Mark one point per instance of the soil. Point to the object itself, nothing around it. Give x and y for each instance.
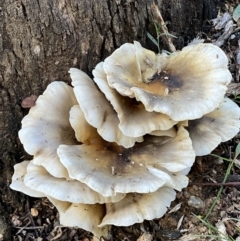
(37, 219)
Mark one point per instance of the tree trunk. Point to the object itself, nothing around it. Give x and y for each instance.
(41, 39)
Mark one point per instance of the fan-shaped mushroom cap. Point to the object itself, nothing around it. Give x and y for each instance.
(134, 120)
(135, 208)
(47, 126)
(97, 109)
(110, 169)
(84, 216)
(18, 184)
(220, 125)
(196, 76)
(37, 178)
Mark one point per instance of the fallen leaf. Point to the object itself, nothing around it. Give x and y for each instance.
(29, 101)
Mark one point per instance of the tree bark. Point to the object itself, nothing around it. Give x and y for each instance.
(41, 39)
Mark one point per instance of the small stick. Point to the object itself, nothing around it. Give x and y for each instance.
(37, 227)
(157, 15)
(21, 229)
(30, 216)
(216, 184)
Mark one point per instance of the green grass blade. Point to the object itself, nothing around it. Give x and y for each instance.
(152, 39)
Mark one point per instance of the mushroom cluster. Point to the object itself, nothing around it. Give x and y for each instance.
(113, 150)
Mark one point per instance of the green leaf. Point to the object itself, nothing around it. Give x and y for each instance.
(225, 159)
(168, 34)
(166, 52)
(236, 13)
(237, 150)
(152, 39)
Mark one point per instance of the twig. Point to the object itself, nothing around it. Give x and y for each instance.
(29, 228)
(221, 188)
(30, 217)
(158, 17)
(59, 233)
(216, 184)
(21, 229)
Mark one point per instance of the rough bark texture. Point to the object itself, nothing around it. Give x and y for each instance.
(188, 18)
(41, 39)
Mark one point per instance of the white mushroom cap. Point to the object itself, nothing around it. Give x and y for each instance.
(47, 126)
(110, 169)
(135, 208)
(18, 184)
(37, 178)
(97, 110)
(218, 126)
(84, 216)
(134, 120)
(188, 85)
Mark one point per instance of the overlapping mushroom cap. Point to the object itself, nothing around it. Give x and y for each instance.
(98, 111)
(185, 85)
(218, 126)
(109, 169)
(113, 150)
(47, 126)
(134, 119)
(96, 171)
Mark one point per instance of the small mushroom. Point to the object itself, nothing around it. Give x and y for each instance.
(109, 169)
(85, 216)
(135, 121)
(98, 111)
(196, 76)
(47, 126)
(218, 126)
